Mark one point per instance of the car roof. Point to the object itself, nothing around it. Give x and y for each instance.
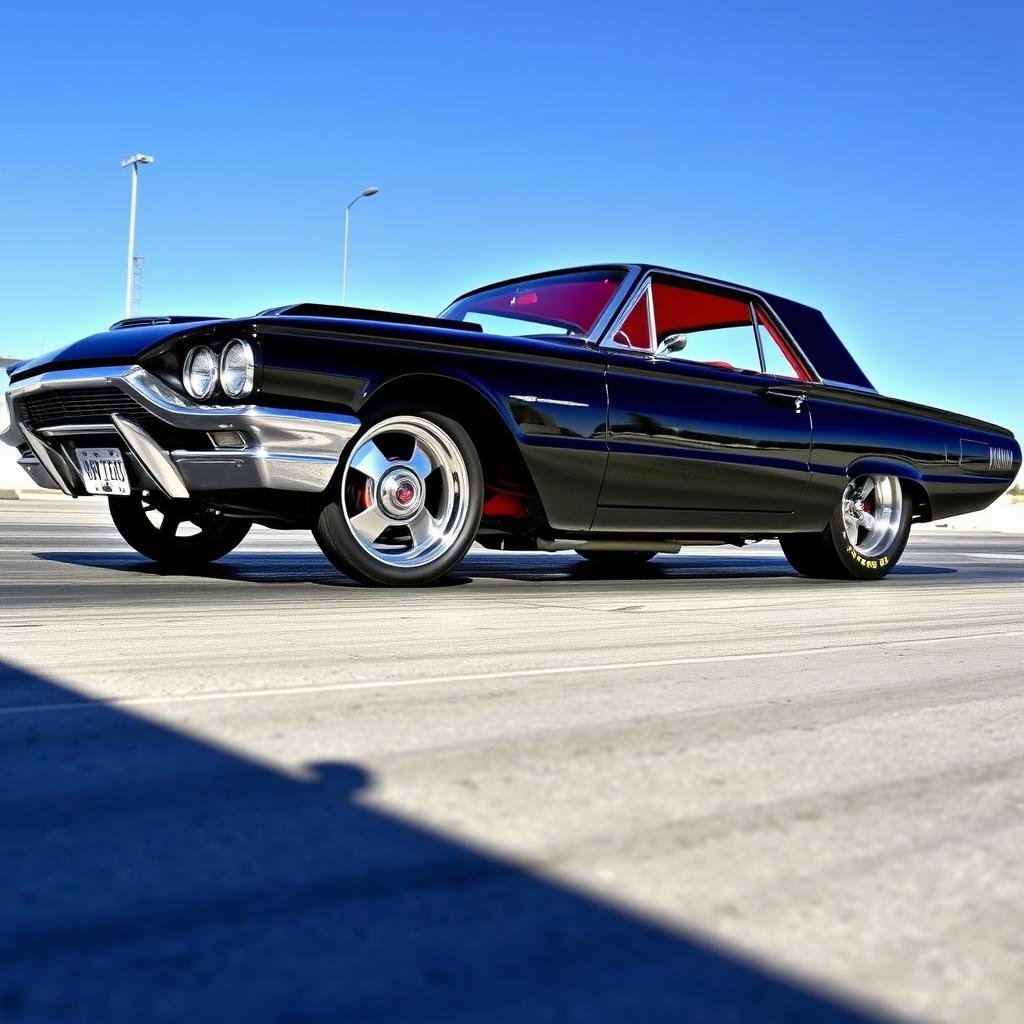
(810, 330)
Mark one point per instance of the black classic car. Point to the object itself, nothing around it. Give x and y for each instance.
(618, 411)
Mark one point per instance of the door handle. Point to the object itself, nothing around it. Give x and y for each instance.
(791, 395)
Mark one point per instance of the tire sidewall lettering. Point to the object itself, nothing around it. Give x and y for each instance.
(865, 563)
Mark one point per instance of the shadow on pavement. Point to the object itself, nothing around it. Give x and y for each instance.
(148, 875)
(275, 567)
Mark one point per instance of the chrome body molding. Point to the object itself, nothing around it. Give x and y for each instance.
(293, 450)
(534, 400)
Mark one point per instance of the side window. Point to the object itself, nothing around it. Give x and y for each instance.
(635, 330)
(779, 359)
(704, 327)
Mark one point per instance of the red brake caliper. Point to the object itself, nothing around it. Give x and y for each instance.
(366, 494)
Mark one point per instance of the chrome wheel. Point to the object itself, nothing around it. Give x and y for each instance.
(872, 509)
(404, 492)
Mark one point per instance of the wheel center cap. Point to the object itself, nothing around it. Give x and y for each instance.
(400, 493)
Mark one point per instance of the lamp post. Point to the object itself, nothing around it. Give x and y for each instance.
(132, 162)
(371, 191)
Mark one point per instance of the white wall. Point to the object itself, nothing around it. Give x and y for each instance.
(12, 476)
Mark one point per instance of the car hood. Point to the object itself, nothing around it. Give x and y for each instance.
(125, 344)
(108, 348)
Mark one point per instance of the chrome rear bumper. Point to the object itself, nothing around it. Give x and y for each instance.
(291, 450)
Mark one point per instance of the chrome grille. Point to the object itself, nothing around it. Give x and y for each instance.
(68, 406)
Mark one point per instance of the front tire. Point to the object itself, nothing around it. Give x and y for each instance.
(864, 538)
(175, 533)
(406, 505)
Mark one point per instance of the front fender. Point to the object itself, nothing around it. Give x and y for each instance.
(554, 413)
(425, 382)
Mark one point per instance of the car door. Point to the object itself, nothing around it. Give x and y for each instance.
(701, 437)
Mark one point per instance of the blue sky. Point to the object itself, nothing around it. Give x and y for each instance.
(866, 159)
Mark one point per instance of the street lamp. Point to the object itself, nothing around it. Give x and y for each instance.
(132, 162)
(371, 191)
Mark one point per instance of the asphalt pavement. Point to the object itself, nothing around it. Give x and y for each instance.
(712, 790)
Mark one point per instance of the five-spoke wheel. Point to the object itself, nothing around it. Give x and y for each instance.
(872, 510)
(865, 536)
(407, 505)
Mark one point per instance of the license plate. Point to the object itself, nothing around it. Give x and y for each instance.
(103, 470)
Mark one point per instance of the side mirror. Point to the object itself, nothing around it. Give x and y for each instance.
(671, 343)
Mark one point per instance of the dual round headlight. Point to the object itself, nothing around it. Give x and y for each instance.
(235, 371)
(237, 368)
(200, 374)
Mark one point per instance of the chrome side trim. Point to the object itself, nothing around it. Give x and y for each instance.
(534, 400)
(155, 460)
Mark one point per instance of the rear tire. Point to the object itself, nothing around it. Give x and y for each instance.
(406, 505)
(864, 538)
(173, 532)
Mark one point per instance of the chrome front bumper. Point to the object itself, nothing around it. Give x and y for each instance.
(290, 450)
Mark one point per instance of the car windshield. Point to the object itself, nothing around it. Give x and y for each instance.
(565, 305)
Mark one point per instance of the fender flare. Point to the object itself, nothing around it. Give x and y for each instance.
(903, 470)
(884, 465)
(465, 380)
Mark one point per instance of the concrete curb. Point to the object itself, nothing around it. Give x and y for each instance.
(15, 493)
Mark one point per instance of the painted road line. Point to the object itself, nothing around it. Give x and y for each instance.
(987, 554)
(525, 673)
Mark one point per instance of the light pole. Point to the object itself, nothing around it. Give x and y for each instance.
(371, 191)
(132, 162)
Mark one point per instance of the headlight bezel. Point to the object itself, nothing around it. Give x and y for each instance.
(248, 382)
(200, 395)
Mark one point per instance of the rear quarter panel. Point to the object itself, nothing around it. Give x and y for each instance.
(948, 454)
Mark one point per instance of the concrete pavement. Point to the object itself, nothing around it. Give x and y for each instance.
(711, 791)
